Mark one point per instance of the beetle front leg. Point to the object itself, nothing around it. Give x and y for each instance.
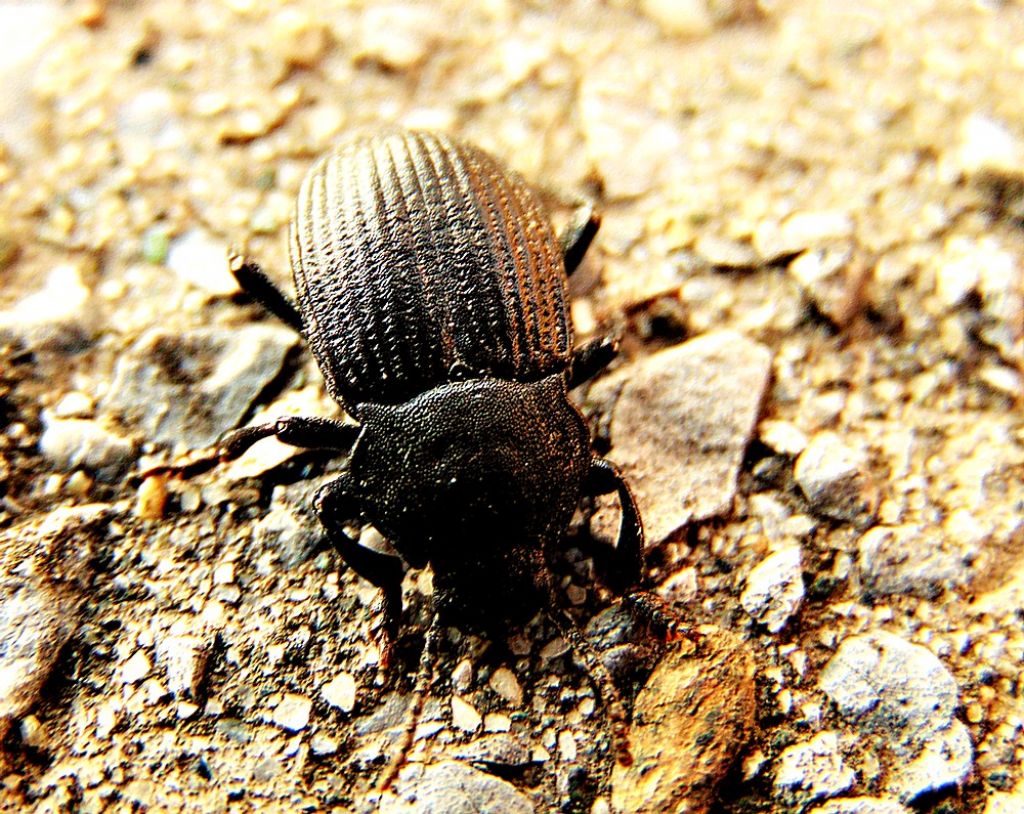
(308, 432)
(336, 505)
(628, 564)
(590, 359)
(578, 235)
(261, 288)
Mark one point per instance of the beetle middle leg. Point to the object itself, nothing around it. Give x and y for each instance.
(578, 235)
(336, 505)
(261, 288)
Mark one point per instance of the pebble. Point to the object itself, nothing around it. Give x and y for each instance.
(201, 259)
(462, 676)
(833, 477)
(886, 684)
(73, 405)
(504, 682)
(497, 749)
(340, 692)
(452, 788)
(912, 559)
(812, 769)
(782, 437)
(189, 387)
(323, 745)
(70, 443)
(136, 668)
(464, 715)
(702, 700)
(901, 691)
(398, 36)
(775, 589)
(183, 657)
(861, 805)
(986, 143)
(292, 712)
(680, 425)
(46, 563)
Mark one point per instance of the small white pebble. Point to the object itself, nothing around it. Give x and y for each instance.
(340, 692)
(566, 746)
(292, 713)
(464, 715)
(136, 668)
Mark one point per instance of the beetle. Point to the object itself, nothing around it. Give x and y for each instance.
(432, 292)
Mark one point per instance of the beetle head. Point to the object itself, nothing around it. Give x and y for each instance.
(472, 475)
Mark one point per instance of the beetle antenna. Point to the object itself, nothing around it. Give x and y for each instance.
(615, 710)
(424, 674)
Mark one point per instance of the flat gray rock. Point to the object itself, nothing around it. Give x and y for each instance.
(680, 424)
(889, 686)
(44, 567)
(453, 788)
(193, 386)
(904, 694)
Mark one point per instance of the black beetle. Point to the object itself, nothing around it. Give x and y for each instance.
(432, 291)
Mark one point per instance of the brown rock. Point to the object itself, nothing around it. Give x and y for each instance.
(690, 723)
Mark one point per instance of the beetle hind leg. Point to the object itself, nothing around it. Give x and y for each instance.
(261, 288)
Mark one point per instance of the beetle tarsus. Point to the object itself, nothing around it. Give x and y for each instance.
(578, 235)
(618, 720)
(261, 288)
(424, 674)
(604, 478)
(590, 359)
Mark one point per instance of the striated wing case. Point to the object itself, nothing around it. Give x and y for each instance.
(418, 259)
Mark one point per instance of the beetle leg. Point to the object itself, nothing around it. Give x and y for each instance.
(309, 432)
(578, 234)
(336, 505)
(604, 478)
(590, 359)
(261, 288)
(424, 674)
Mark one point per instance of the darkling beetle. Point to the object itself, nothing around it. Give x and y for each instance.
(432, 292)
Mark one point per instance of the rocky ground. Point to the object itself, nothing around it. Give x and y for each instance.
(813, 248)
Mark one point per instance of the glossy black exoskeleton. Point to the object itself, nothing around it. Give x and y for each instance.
(432, 292)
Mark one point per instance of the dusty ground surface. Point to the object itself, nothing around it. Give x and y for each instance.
(841, 189)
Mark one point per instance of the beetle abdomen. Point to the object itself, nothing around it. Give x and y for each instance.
(416, 256)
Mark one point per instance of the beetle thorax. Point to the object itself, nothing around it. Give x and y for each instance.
(497, 462)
